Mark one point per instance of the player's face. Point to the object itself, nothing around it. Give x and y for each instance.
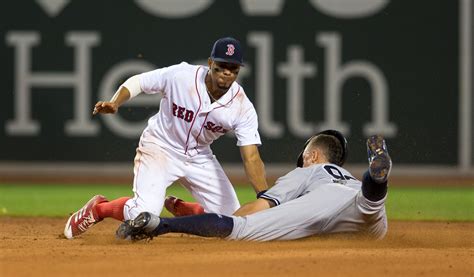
(223, 75)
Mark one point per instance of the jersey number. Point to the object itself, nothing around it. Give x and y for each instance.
(336, 173)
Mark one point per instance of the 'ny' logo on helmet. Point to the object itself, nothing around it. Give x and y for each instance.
(230, 50)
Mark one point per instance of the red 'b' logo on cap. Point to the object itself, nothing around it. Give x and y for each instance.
(230, 50)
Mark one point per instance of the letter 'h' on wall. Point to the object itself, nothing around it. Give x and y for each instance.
(25, 79)
(337, 74)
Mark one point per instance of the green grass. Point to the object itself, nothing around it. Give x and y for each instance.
(455, 204)
(411, 203)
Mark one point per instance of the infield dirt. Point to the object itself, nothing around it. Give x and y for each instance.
(35, 247)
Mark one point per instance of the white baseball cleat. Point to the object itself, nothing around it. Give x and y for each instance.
(83, 219)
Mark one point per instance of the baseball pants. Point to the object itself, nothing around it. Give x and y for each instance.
(156, 168)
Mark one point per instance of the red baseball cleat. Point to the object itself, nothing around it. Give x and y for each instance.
(178, 207)
(83, 219)
(170, 204)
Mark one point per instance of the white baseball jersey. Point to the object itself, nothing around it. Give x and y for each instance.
(176, 143)
(319, 199)
(187, 121)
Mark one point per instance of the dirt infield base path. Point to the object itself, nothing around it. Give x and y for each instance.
(34, 247)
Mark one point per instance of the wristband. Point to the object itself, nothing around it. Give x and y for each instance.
(261, 193)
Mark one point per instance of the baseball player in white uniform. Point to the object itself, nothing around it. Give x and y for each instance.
(319, 198)
(199, 105)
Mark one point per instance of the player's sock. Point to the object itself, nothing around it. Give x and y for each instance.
(112, 208)
(183, 208)
(205, 225)
(372, 190)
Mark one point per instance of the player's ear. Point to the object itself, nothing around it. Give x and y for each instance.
(315, 155)
(209, 62)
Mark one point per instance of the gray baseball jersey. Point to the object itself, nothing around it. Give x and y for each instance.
(320, 199)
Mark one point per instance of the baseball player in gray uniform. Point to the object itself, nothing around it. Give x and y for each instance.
(318, 197)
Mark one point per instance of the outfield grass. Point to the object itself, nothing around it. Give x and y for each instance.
(455, 204)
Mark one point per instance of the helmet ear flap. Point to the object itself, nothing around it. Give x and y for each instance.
(299, 162)
(338, 135)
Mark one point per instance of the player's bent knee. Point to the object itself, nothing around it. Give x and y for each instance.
(133, 208)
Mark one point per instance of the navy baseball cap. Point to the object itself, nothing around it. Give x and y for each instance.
(227, 50)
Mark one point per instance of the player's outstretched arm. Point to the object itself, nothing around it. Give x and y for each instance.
(254, 168)
(254, 206)
(129, 89)
(120, 97)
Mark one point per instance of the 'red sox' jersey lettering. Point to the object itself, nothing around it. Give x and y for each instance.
(211, 126)
(183, 113)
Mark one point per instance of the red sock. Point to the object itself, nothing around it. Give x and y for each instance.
(188, 208)
(112, 208)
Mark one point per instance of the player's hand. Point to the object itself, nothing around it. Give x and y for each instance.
(105, 107)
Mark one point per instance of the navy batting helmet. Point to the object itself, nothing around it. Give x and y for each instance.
(334, 133)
